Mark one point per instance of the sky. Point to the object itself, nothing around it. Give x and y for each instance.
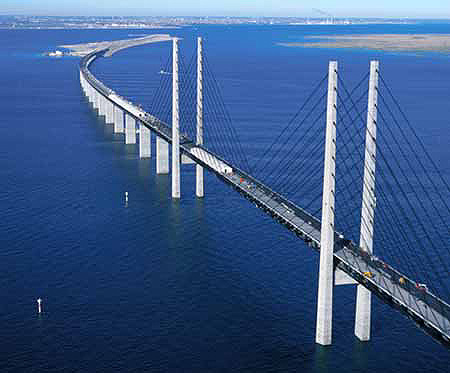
(338, 8)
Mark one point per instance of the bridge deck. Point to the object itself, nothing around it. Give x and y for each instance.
(366, 269)
(430, 312)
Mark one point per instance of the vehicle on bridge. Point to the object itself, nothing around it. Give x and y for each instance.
(421, 287)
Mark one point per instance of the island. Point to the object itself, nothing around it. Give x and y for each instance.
(382, 42)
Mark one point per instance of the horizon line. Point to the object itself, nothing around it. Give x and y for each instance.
(225, 16)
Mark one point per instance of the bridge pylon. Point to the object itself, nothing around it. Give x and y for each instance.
(175, 124)
(199, 190)
(363, 296)
(326, 272)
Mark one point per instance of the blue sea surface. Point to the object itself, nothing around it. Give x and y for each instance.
(197, 285)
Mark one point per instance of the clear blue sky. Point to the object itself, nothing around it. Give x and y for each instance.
(341, 8)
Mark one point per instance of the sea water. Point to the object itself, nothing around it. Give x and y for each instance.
(197, 285)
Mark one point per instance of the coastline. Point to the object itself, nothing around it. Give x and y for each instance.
(384, 42)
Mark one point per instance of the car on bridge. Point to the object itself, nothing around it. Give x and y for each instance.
(421, 287)
(369, 274)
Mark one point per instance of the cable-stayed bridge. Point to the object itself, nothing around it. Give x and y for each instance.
(347, 174)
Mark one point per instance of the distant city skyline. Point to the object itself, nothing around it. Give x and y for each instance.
(274, 8)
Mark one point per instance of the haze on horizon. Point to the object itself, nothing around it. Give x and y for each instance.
(438, 9)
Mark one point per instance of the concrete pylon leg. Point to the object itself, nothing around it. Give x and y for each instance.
(199, 190)
(118, 120)
(363, 313)
(363, 296)
(199, 186)
(130, 130)
(176, 193)
(326, 272)
(162, 156)
(144, 142)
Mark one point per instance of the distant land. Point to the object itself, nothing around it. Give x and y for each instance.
(118, 22)
(385, 42)
(114, 46)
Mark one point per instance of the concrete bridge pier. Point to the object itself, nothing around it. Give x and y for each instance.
(162, 156)
(199, 190)
(95, 102)
(102, 105)
(106, 101)
(145, 149)
(91, 94)
(130, 129)
(109, 112)
(118, 120)
(95, 99)
(83, 83)
(175, 124)
(87, 91)
(326, 272)
(363, 296)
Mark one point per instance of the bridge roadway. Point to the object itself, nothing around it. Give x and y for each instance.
(428, 311)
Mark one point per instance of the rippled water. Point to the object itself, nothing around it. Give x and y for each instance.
(196, 285)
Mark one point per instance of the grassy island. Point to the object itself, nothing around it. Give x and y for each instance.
(384, 42)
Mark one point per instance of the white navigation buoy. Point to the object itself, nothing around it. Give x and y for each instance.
(126, 196)
(39, 301)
